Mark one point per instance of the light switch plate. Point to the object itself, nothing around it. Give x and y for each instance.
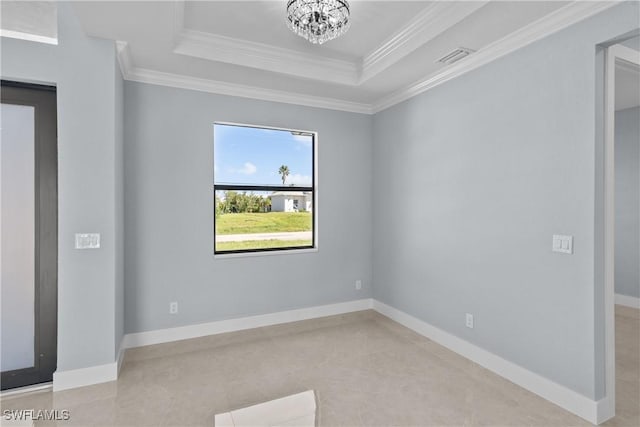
(87, 240)
(562, 244)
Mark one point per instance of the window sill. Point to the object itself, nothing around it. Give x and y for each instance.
(265, 253)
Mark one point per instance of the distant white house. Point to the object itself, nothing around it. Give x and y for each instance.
(291, 202)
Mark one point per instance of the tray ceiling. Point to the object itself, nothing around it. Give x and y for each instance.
(391, 51)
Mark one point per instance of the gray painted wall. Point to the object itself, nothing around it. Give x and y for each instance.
(493, 163)
(83, 70)
(169, 212)
(627, 157)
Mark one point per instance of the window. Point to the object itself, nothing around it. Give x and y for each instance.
(264, 188)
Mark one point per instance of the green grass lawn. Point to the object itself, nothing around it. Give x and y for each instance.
(260, 244)
(270, 222)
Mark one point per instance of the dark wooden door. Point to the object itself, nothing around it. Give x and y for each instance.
(39, 104)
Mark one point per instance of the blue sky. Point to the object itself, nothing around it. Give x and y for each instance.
(244, 155)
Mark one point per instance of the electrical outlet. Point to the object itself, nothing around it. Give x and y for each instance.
(358, 284)
(173, 307)
(469, 320)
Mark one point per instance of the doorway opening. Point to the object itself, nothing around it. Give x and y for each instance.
(622, 230)
(28, 234)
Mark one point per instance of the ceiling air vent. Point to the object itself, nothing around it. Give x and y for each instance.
(456, 55)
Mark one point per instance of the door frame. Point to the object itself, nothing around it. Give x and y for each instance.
(613, 55)
(44, 100)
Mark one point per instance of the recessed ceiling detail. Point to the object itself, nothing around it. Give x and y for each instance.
(265, 57)
(431, 22)
(233, 48)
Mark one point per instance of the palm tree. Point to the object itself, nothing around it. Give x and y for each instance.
(284, 172)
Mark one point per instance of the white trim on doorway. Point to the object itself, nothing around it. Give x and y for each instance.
(614, 54)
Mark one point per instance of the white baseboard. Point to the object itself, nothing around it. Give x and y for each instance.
(560, 395)
(194, 331)
(120, 358)
(592, 411)
(64, 380)
(628, 301)
(606, 409)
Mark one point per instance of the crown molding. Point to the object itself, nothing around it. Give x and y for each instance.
(28, 37)
(124, 58)
(549, 24)
(627, 66)
(233, 89)
(545, 26)
(626, 58)
(142, 75)
(427, 25)
(265, 57)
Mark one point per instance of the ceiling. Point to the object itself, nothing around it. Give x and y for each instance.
(34, 20)
(389, 54)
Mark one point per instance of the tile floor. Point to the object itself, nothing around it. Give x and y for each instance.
(627, 368)
(366, 370)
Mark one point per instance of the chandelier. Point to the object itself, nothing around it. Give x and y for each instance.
(318, 20)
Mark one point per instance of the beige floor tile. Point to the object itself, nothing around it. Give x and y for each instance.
(365, 369)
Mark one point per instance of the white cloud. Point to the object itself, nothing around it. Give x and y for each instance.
(297, 179)
(248, 169)
(303, 139)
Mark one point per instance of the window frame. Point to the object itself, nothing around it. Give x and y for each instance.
(238, 187)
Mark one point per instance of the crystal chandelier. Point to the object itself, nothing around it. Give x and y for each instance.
(318, 20)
